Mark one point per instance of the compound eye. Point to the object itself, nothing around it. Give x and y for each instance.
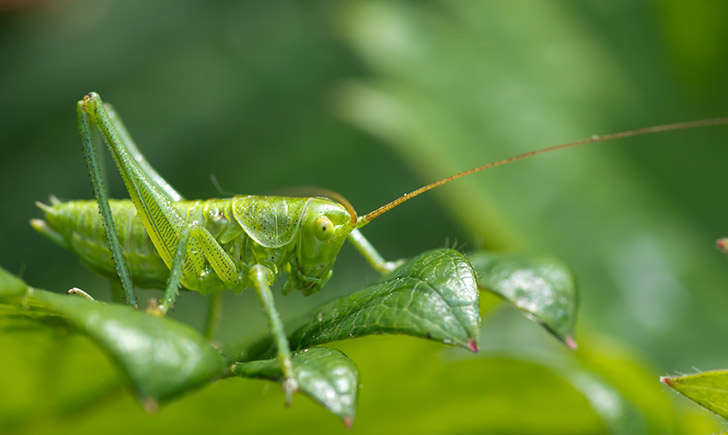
(323, 228)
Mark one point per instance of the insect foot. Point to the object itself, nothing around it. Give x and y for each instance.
(154, 308)
(78, 291)
(90, 96)
(290, 387)
(391, 265)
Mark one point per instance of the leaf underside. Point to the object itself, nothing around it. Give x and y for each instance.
(708, 389)
(326, 375)
(542, 288)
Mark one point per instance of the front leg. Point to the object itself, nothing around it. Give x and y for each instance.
(371, 255)
(262, 278)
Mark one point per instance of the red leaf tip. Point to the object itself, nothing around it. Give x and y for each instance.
(348, 422)
(570, 342)
(472, 345)
(666, 380)
(722, 244)
(151, 406)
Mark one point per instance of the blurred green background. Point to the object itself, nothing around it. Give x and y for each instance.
(372, 99)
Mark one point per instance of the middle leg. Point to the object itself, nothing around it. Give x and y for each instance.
(262, 278)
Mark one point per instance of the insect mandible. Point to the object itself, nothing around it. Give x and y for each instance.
(217, 244)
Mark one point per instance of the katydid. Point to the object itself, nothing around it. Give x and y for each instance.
(162, 240)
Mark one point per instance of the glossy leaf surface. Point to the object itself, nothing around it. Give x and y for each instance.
(433, 295)
(542, 288)
(161, 358)
(326, 375)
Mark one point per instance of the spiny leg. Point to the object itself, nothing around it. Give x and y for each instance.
(153, 198)
(96, 173)
(162, 221)
(371, 255)
(175, 274)
(262, 278)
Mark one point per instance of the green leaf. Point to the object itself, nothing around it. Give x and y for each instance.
(433, 296)
(542, 288)
(161, 358)
(707, 389)
(326, 375)
(10, 286)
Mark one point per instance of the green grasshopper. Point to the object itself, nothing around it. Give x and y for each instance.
(212, 245)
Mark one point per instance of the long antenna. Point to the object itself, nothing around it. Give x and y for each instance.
(364, 220)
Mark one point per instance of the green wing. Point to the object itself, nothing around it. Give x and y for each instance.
(272, 221)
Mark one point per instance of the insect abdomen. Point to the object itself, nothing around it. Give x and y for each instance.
(77, 226)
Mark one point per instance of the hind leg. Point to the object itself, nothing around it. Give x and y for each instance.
(96, 173)
(152, 196)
